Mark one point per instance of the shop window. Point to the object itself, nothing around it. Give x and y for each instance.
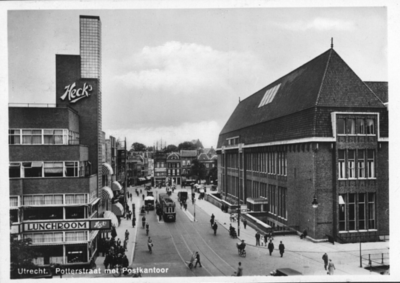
(32, 169)
(351, 164)
(49, 254)
(352, 212)
(350, 127)
(341, 126)
(370, 127)
(32, 136)
(361, 212)
(75, 236)
(360, 126)
(361, 163)
(43, 213)
(15, 170)
(371, 163)
(371, 211)
(14, 136)
(75, 199)
(341, 164)
(53, 169)
(76, 253)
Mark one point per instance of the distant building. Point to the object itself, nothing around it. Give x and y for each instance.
(316, 135)
(186, 159)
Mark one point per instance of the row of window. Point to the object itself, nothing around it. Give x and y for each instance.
(353, 164)
(57, 237)
(173, 172)
(233, 141)
(357, 212)
(42, 136)
(359, 126)
(40, 169)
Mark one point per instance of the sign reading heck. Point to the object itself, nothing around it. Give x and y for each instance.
(73, 95)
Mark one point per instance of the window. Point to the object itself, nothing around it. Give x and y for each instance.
(371, 211)
(341, 165)
(15, 170)
(360, 126)
(352, 212)
(342, 215)
(14, 136)
(371, 163)
(32, 136)
(361, 164)
(340, 126)
(71, 169)
(13, 201)
(370, 126)
(53, 136)
(351, 164)
(269, 95)
(32, 169)
(361, 212)
(350, 127)
(53, 169)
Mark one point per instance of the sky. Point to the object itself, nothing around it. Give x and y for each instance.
(178, 74)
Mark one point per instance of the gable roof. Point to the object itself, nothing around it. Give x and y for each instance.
(203, 156)
(324, 81)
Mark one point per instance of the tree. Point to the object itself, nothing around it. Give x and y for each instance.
(171, 148)
(22, 255)
(187, 145)
(198, 169)
(136, 146)
(150, 148)
(213, 174)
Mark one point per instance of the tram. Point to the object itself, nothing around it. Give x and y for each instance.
(167, 207)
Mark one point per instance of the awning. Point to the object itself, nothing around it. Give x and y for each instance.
(114, 220)
(257, 200)
(95, 201)
(118, 209)
(107, 193)
(107, 169)
(116, 186)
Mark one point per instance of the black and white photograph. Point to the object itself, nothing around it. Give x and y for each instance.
(196, 140)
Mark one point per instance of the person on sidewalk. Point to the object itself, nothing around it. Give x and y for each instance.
(215, 227)
(143, 197)
(133, 222)
(147, 228)
(281, 248)
(244, 223)
(331, 268)
(239, 271)
(127, 234)
(270, 247)
(185, 206)
(197, 260)
(325, 259)
(265, 239)
(258, 238)
(143, 221)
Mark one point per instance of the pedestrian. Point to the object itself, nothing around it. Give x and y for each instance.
(147, 228)
(140, 191)
(125, 244)
(281, 248)
(126, 234)
(244, 223)
(215, 227)
(143, 221)
(325, 259)
(197, 260)
(239, 271)
(143, 197)
(125, 261)
(331, 268)
(185, 205)
(212, 222)
(112, 242)
(130, 196)
(270, 247)
(118, 242)
(258, 238)
(133, 222)
(265, 239)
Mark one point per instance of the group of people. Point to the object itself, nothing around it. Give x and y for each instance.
(195, 257)
(114, 251)
(269, 235)
(328, 264)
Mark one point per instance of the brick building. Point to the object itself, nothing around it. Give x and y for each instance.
(316, 135)
(59, 180)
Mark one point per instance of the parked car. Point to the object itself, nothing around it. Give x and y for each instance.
(285, 272)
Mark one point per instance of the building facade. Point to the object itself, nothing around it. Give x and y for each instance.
(173, 169)
(59, 179)
(318, 135)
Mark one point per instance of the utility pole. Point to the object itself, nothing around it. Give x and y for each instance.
(240, 150)
(126, 177)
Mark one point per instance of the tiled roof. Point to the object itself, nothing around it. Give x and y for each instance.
(380, 89)
(324, 81)
(203, 156)
(188, 153)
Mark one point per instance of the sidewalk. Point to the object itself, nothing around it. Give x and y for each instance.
(346, 257)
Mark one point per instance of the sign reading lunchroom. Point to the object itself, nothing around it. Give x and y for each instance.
(91, 224)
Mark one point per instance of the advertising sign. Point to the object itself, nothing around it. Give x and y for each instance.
(90, 224)
(72, 94)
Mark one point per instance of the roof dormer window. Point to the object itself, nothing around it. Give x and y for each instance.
(269, 95)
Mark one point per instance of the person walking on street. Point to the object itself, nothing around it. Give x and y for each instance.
(143, 197)
(257, 239)
(265, 239)
(127, 234)
(239, 271)
(212, 219)
(281, 248)
(244, 223)
(147, 228)
(215, 227)
(197, 260)
(325, 259)
(331, 268)
(143, 221)
(185, 206)
(270, 247)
